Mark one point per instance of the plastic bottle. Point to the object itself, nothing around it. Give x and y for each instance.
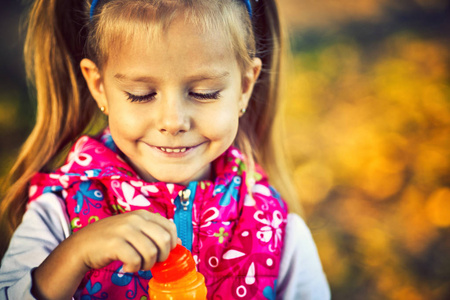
(177, 278)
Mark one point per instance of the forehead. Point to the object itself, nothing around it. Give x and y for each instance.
(134, 24)
(183, 46)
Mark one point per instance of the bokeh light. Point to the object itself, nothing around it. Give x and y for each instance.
(368, 121)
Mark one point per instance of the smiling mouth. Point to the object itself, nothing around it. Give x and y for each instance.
(173, 150)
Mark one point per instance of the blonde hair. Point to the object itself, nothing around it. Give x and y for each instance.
(60, 33)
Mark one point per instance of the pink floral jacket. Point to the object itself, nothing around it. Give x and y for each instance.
(236, 240)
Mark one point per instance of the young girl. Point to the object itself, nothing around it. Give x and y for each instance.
(189, 89)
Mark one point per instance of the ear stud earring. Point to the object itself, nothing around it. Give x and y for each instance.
(242, 111)
(102, 109)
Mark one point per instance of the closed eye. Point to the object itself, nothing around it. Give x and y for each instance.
(205, 96)
(143, 98)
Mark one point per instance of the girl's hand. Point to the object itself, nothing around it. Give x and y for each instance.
(138, 239)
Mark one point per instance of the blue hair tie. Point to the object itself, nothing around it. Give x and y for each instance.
(94, 4)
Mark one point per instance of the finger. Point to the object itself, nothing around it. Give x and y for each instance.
(171, 228)
(130, 258)
(160, 237)
(168, 225)
(146, 248)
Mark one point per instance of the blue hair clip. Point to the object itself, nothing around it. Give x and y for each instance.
(249, 7)
(94, 4)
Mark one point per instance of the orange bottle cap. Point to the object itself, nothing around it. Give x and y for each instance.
(179, 263)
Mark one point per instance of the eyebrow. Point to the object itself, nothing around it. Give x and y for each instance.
(123, 77)
(210, 76)
(194, 78)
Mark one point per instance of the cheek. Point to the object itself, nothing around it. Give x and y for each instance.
(222, 126)
(125, 126)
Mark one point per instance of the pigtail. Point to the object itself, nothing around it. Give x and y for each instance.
(267, 30)
(53, 49)
(261, 126)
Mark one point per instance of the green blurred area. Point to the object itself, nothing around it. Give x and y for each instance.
(368, 124)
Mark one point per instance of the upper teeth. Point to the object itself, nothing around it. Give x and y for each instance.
(170, 150)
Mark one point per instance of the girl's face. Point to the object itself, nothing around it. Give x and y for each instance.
(173, 104)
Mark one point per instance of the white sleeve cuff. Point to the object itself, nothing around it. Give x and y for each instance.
(301, 275)
(44, 226)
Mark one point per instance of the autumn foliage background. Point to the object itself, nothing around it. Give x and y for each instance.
(368, 125)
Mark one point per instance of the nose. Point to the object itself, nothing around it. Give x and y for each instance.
(173, 116)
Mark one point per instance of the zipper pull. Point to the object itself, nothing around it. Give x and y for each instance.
(184, 198)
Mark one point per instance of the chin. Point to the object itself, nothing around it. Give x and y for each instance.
(181, 174)
(183, 180)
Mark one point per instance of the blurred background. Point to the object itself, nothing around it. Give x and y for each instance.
(368, 124)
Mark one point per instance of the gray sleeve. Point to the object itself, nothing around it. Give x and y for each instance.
(44, 226)
(301, 275)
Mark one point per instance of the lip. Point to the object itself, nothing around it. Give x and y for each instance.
(178, 151)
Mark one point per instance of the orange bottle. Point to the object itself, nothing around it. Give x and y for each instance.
(176, 278)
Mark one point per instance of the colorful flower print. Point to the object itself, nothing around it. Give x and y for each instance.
(78, 155)
(128, 195)
(92, 290)
(201, 224)
(120, 278)
(221, 234)
(270, 231)
(240, 262)
(85, 195)
(270, 292)
(52, 189)
(232, 191)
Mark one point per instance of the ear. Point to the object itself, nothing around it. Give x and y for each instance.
(95, 83)
(248, 82)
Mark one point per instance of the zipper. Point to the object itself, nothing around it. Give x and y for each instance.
(183, 214)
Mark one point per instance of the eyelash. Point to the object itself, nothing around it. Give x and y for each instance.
(143, 98)
(207, 96)
(151, 96)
